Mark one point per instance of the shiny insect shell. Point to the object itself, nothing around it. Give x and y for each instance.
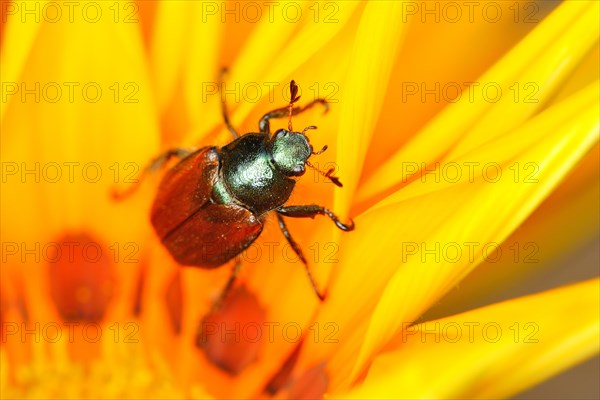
(213, 204)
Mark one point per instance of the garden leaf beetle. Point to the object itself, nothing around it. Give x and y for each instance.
(212, 205)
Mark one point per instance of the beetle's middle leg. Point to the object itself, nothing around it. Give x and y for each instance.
(300, 255)
(265, 126)
(310, 211)
(153, 166)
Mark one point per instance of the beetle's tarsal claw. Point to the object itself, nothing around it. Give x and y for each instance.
(321, 296)
(119, 194)
(347, 227)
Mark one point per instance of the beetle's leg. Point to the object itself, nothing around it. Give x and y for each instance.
(163, 158)
(229, 285)
(224, 106)
(153, 166)
(298, 251)
(310, 211)
(283, 112)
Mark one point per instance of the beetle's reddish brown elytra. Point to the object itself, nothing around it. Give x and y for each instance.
(213, 204)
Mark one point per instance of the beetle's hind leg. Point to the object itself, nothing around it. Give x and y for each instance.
(235, 271)
(224, 106)
(298, 251)
(310, 211)
(283, 112)
(153, 166)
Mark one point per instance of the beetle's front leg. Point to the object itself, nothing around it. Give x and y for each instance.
(310, 211)
(283, 112)
(153, 166)
(224, 112)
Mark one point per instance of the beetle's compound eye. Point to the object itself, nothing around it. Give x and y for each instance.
(299, 169)
(280, 133)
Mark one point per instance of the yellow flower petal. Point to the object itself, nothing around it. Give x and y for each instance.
(534, 250)
(543, 60)
(18, 38)
(90, 129)
(287, 46)
(503, 206)
(89, 120)
(586, 72)
(467, 213)
(492, 352)
(286, 42)
(375, 48)
(186, 81)
(169, 43)
(185, 53)
(199, 64)
(537, 82)
(426, 62)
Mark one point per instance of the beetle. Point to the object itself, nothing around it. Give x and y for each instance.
(213, 204)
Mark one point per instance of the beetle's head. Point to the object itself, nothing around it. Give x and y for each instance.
(290, 150)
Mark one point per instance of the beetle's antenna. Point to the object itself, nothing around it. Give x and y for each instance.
(304, 133)
(308, 128)
(293, 98)
(316, 153)
(329, 174)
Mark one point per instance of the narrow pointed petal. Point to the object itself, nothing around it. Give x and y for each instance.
(86, 140)
(288, 47)
(168, 48)
(375, 48)
(495, 351)
(537, 83)
(429, 74)
(542, 61)
(186, 70)
(418, 283)
(438, 214)
(78, 146)
(290, 42)
(535, 251)
(199, 70)
(17, 41)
